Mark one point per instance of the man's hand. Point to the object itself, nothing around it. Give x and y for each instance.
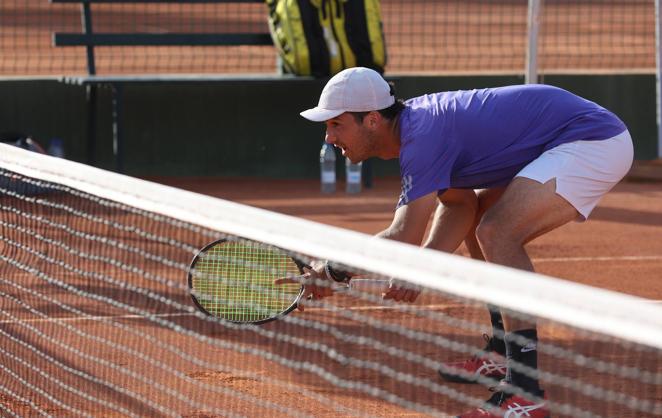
(316, 285)
(401, 291)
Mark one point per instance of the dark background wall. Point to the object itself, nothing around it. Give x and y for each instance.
(252, 128)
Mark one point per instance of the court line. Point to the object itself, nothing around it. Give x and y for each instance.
(95, 318)
(168, 315)
(617, 258)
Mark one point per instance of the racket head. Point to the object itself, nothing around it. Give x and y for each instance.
(234, 280)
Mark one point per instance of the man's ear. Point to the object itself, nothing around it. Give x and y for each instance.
(373, 119)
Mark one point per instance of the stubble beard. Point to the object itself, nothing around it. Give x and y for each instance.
(369, 145)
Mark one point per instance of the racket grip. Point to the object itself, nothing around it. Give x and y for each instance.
(366, 285)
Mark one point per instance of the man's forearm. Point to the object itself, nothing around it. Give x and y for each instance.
(450, 227)
(410, 221)
(394, 234)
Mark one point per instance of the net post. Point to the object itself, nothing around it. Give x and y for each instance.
(533, 27)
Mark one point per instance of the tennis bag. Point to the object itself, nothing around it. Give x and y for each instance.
(323, 37)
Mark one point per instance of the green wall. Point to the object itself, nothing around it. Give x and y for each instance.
(252, 128)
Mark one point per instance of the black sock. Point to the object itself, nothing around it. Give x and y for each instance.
(497, 344)
(524, 353)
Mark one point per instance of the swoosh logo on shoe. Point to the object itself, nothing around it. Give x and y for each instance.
(529, 347)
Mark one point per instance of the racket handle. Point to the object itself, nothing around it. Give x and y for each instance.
(365, 285)
(357, 283)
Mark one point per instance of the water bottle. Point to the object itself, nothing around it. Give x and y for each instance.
(328, 168)
(353, 172)
(56, 148)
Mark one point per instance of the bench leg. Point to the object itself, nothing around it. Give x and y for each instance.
(118, 145)
(91, 99)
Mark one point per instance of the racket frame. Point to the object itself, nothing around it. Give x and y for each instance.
(300, 265)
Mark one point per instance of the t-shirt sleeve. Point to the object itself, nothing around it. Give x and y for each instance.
(425, 169)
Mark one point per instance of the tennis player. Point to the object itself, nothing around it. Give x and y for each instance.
(496, 167)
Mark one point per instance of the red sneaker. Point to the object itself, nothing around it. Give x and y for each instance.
(487, 364)
(503, 405)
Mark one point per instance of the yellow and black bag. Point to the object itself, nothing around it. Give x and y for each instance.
(323, 37)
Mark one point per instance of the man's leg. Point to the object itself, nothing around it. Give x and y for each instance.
(585, 171)
(485, 364)
(486, 199)
(526, 210)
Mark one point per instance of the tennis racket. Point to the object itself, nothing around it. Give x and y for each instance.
(235, 281)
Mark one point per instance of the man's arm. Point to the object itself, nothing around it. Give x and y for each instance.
(409, 225)
(411, 220)
(453, 220)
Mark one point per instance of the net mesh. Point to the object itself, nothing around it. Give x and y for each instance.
(422, 36)
(96, 316)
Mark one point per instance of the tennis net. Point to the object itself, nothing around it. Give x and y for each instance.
(96, 316)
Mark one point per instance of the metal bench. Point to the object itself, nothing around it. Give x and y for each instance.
(91, 39)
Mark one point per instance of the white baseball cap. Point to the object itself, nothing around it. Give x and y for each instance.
(355, 89)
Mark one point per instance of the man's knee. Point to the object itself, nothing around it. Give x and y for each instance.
(485, 232)
(491, 235)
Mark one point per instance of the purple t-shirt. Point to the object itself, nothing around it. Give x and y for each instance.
(483, 138)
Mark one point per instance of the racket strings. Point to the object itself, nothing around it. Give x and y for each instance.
(235, 281)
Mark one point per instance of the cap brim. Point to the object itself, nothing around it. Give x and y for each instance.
(318, 114)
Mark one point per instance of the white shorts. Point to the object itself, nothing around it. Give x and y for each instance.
(584, 170)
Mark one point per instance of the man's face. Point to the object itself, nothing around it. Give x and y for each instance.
(356, 140)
